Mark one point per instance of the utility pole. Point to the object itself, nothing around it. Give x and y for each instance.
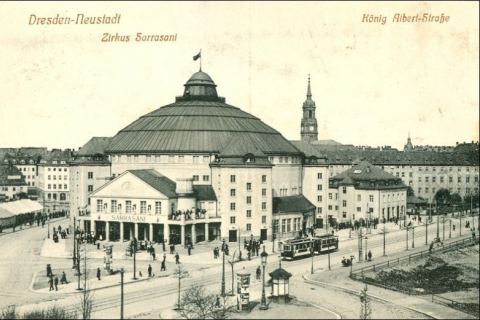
(406, 229)
(121, 294)
(426, 232)
(311, 253)
(413, 237)
(366, 249)
(384, 233)
(360, 243)
(450, 228)
(443, 226)
(74, 245)
(223, 270)
(438, 227)
(460, 227)
(134, 249)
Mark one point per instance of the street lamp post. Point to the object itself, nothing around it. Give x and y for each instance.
(74, 244)
(460, 226)
(438, 227)
(407, 236)
(413, 237)
(426, 232)
(366, 249)
(78, 263)
(384, 233)
(223, 270)
(450, 228)
(264, 256)
(134, 249)
(311, 253)
(443, 226)
(121, 294)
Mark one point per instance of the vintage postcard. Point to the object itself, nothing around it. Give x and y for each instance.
(239, 159)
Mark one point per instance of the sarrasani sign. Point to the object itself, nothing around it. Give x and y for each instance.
(128, 218)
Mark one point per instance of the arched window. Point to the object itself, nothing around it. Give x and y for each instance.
(249, 158)
(310, 114)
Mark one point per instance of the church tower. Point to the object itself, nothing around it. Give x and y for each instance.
(408, 146)
(309, 128)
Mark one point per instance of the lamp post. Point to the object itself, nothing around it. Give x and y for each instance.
(406, 228)
(438, 227)
(460, 226)
(366, 249)
(121, 294)
(426, 232)
(384, 234)
(413, 237)
(443, 226)
(78, 263)
(134, 249)
(222, 292)
(264, 255)
(311, 253)
(74, 244)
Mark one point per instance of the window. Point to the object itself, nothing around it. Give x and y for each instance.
(54, 187)
(344, 189)
(284, 225)
(249, 227)
(264, 219)
(441, 179)
(128, 206)
(426, 179)
(99, 205)
(264, 192)
(330, 207)
(359, 197)
(264, 179)
(459, 179)
(450, 179)
(113, 208)
(330, 196)
(476, 179)
(370, 198)
(90, 188)
(232, 178)
(403, 174)
(419, 179)
(249, 200)
(410, 174)
(419, 190)
(54, 177)
(426, 190)
(195, 178)
(359, 209)
(232, 220)
(49, 186)
(344, 203)
(232, 192)
(90, 175)
(319, 187)
(49, 177)
(64, 186)
(143, 206)
(433, 190)
(264, 206)
(319, 210)
(319, 198)
(206, 178)
(232, 206)
(249, 186)
(289, 224)
(158, 207)
(344, 214)
(249, 213)
(467, 179)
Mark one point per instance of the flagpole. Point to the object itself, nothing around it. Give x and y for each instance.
(200, 59)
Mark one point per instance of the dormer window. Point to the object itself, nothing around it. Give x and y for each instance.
(249, 158)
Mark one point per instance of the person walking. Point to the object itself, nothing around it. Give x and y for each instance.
(177, 258)
(162, 267)
(369, 255)
(63, 280)
(258, 273)
(98, 273)
(189, 248)
(149, 270)
(163, 244)
(56, 283)
(50, 281)
(153, 254)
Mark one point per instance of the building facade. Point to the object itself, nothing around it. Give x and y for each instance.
(12, 182)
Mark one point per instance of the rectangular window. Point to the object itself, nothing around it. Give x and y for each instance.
(426, 190)
(232, 178)
(49, 186)
(433, 190)
(195, 178)
(459, 179)
(450, 179)
(90, 188)
(232, 192)
(419, 190)
(264, 206)
(419, 179)
(319, 175)
(264, 219)
(232, 220)
(467, 179)
(99, 205)
(359, 197)
(319, 210)
(283, 225)
(206, 178)
(90, 175)
(128, 206)
(264, 192)
(232, 206)
(54, 187)
(426, 179)
(441, 179)
(319, 198)
(113, 208)
(249, 200)
(371, 198)
(289, 224)
(344, 203)
(264, 179)
(319, 187)
(249, 213)
(64, 186)
(359, 209)
(330, 196)
(158, 207)
(344, 189)
(249, 226)
(249, 186)
(143, 206)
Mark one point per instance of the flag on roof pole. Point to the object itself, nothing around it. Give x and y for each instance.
(198, 55)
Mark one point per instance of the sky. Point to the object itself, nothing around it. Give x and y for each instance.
(373, 83)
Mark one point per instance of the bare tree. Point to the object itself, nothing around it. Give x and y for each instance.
(365, 311)
(197, 303)
(86, 299)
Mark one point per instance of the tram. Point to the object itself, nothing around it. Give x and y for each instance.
(295, 248)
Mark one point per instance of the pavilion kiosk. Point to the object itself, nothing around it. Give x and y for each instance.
(280, 284)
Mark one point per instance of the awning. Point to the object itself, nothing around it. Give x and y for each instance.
(18, 207)
(296, 203)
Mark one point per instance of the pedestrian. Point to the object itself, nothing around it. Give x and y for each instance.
(149, 270)
(98, 273)
(431, 247)
(177, 258)
(164, 257)
(453, 227)
(258, 273)
(50, 281)
(214, 253)
(189, 248)
(172, 248)
(162, 267)
(49, 270)
(473, 233)
(153, 255)
(56, 283)
(163, 244)
(63, 280)
(369, 255)
(226, 249)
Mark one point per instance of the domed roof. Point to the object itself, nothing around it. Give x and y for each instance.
(198, 122)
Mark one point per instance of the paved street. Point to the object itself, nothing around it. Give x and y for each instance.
(154, 295)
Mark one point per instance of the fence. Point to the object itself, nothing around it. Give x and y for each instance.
(358, 274)
(465, 307)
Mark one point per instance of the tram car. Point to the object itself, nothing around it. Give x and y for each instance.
(295, 248)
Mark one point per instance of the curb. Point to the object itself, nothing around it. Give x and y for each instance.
(337, 315)
(354, 292)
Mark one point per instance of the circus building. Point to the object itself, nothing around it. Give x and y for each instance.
(199, 169)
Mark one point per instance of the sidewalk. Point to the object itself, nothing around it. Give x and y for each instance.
(339, 279)
(32, 226)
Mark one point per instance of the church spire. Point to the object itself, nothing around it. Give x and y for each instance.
(309, 90)
(309, 127)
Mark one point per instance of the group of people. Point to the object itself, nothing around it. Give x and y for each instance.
(59, 232)
(53, 279)
(252, 246)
